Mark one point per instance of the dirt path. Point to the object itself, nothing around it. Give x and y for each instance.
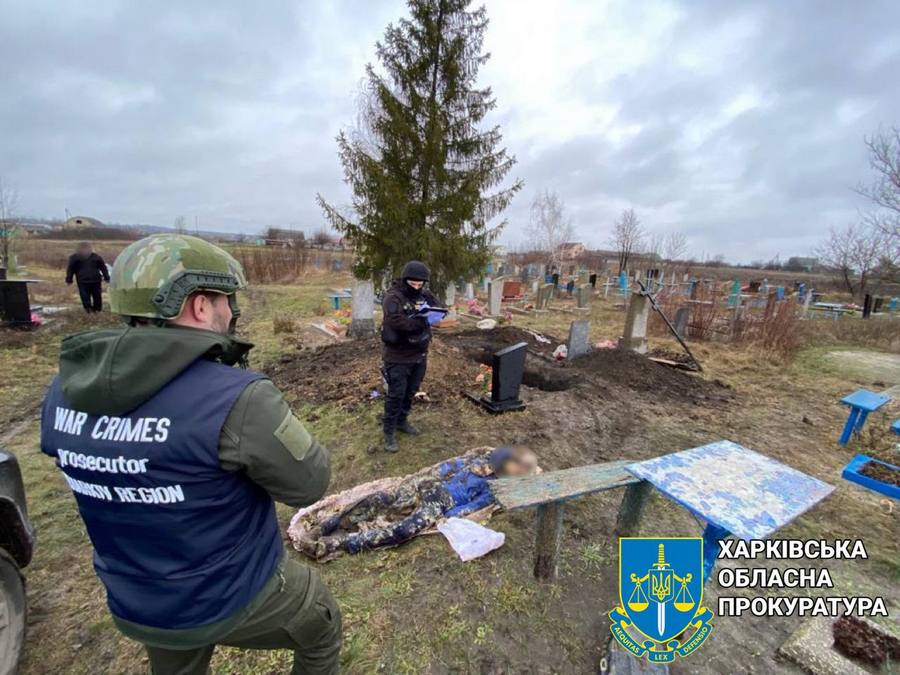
(867, 365)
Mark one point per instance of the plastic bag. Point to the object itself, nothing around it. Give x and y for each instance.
(469, 539)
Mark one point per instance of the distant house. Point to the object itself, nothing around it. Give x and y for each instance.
(571, 250)
(798, 264)
(80, 223)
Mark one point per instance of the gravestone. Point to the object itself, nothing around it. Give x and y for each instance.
(512, 289)
(579, 342)
(635, 334)
(495, 296)
(470, 291)
(806, 302)
(682, 314)
(535, 286)
(507, 369)
(877, 305)
(544, 295)
(555, 277)
(362, 313)
(450, 294)
(486, 284)
(584, 295)
(592, 280)
(15, 307)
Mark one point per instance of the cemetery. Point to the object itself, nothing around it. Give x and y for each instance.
(603, 387)
(450, 338)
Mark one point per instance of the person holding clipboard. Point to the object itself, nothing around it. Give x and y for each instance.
(409, 312)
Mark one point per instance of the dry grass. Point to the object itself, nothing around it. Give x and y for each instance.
(416, 608)
(877, 332)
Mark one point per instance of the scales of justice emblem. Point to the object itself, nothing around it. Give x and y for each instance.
(662, 580)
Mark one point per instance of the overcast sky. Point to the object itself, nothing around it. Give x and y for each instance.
(740, 124)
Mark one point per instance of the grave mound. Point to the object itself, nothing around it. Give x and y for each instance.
(347, 373)
(858, 640)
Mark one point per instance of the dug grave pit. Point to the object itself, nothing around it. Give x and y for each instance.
(348, 374)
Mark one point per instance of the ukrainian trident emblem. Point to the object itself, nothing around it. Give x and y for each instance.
(661, 579)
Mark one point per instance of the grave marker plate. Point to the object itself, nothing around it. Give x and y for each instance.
(495, 296)
(579, 342)
(362, 321)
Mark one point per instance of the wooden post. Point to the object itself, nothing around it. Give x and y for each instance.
(547, 538)
(632, 508)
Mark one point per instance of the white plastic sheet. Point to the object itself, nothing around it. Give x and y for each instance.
(469, 539)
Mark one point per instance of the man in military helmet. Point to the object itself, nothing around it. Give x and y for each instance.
(175, 458)
(406, 334)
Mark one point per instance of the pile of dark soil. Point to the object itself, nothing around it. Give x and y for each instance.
(858, 640)
(630, 370)
(540, 372)
(881, 472)
(494, 340)
(347, 373)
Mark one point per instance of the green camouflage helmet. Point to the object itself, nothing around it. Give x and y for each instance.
(154, 276)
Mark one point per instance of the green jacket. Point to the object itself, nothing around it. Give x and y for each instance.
(111, 372)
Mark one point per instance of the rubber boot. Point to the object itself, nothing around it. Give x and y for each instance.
(390, 442)
(407, 428)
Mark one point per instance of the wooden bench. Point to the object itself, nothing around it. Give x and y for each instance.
(548, 491)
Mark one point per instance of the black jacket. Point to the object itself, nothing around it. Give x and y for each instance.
(406, 337)
(87, 270)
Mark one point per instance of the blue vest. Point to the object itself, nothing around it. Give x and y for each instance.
(178, 541)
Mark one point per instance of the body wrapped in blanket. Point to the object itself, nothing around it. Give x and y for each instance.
(390, 511)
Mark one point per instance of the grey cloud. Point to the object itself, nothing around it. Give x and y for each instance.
(139, 112)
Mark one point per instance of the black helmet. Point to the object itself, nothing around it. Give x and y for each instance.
(415, 270)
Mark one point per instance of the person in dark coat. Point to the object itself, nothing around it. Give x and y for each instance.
(88, 270)
(406, 334)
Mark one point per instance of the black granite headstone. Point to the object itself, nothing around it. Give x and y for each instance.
(15, 308)
(508, 366)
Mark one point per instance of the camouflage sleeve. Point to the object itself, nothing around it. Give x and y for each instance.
(263, 438)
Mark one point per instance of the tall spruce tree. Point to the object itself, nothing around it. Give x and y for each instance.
(420, 168)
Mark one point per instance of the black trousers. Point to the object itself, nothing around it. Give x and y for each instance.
(91, 296)
(403, 382)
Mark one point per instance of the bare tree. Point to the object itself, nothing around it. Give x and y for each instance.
(854, 253)
(675, 246)
(653, 247)
(550, 227)
(884, 192)
(180, 225)
(9, 200)
(627, 237)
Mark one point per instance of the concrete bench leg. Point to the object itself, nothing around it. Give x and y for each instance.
(632, 508)
(547, 538)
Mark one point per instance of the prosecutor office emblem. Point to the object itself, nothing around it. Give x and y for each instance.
(660, 595)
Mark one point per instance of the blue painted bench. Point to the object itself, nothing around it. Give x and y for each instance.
(550, 490)
(861, 403)
(735, 490)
